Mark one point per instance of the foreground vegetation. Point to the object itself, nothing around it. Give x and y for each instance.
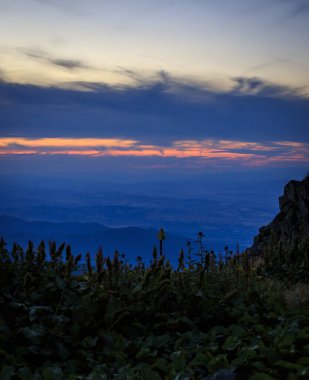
(210, 318)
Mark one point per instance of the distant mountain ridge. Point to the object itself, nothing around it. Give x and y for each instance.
(84, 237)
(12, 223)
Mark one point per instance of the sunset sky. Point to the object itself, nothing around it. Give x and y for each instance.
(154, 85)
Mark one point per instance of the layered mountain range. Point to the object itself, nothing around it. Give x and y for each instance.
(84, 237)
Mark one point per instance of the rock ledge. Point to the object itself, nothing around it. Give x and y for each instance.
(289, 231)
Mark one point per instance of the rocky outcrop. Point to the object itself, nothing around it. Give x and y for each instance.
(289, 231)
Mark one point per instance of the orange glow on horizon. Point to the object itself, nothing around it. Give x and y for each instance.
(54, 142)
(250, 153)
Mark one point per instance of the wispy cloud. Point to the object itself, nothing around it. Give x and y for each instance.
(69, 6)
(273, 62)
(42, 56)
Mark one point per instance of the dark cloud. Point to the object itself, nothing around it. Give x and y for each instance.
(296, 8)
(299, 8)
(70, 64)
(156, 112)
(260, 87)
(162, 81)
(288, 9)
(2, 76)
(248, 85)
(41, 55)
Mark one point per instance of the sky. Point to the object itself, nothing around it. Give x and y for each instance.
(154, 87)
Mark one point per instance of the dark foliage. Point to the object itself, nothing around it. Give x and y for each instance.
(208, 319)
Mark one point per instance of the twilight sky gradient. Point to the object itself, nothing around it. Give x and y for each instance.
(157, 84)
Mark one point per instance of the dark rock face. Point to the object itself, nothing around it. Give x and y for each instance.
(289, 231)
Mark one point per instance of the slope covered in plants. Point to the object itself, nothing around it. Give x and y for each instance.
(210, 318)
